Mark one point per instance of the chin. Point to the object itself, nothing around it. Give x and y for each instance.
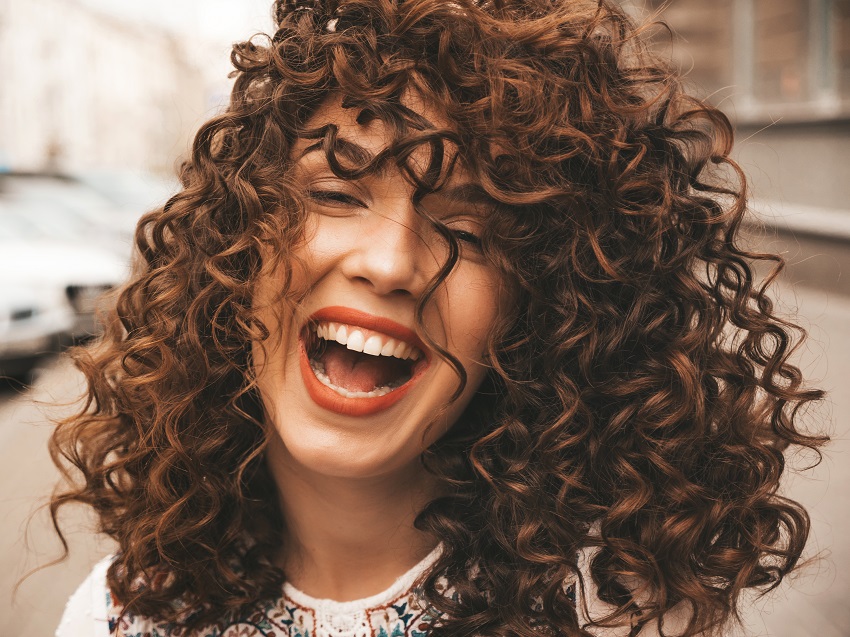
(338, 455)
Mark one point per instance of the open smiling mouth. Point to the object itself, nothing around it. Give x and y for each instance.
(357, 371)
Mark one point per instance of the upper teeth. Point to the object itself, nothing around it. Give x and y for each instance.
(366, 341)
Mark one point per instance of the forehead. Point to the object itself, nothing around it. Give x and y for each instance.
(372, 137)
(358, 140)
(333, 110)
(367, 129)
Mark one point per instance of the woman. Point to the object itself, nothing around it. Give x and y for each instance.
(449, 333)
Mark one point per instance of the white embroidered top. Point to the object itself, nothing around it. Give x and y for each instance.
(399, 611)
(396, 612)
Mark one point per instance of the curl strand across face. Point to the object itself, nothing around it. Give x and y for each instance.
(347, 381)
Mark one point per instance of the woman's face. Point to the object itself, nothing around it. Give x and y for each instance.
(346, 382)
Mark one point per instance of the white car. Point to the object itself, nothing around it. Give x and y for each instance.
(65, 209)
(78, 274)
(63, 268)
(33, 320)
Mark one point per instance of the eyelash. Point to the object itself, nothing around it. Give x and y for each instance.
(467, 237)
(335, 197)
(331, 197)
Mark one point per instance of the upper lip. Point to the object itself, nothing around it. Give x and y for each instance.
(359, 318)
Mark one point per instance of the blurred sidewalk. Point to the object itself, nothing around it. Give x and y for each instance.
(27, 478)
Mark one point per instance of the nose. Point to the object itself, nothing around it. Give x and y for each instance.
(389, 254)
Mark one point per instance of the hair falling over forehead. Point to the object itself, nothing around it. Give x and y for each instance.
(641, 394)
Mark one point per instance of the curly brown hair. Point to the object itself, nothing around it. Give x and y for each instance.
(641, 395)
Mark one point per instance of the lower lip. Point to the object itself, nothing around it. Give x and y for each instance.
(327, 398)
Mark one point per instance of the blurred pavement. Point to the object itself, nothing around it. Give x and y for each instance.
(27, 478)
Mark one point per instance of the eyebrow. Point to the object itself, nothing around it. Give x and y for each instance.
(467, 193)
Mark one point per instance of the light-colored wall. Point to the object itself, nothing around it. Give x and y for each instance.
(773, 67)
(806, 164)
(80, 90)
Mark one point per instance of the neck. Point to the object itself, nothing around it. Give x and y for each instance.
(349, 538)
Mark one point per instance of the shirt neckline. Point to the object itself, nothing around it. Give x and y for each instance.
(398, 588)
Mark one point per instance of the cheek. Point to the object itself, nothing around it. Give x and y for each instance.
(326, 238)
(276, 300)
(476, 300)
(271, 354)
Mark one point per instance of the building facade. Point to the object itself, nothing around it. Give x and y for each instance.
(83, 90)
(780, 69)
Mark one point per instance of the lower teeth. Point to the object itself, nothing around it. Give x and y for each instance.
(383, 390)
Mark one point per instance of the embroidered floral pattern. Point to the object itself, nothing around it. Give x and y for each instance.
(403, 617)
(406, 616)
(401, 611)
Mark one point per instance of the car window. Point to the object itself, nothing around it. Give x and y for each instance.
(52, 207)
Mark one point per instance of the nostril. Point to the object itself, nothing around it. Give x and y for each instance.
(376, 284)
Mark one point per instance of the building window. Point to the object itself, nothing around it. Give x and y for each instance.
(768, 59)
(780, 54)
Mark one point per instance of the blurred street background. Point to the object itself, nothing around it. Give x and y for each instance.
(99, 100)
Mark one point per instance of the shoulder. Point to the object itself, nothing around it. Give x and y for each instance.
(86, 613)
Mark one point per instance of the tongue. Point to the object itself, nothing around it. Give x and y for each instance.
(360, 372)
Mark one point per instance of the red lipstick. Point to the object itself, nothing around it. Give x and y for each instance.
(329, 399)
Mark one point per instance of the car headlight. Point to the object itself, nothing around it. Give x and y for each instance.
(22, 314)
